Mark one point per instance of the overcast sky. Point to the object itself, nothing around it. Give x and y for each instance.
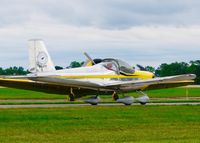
(147, 32)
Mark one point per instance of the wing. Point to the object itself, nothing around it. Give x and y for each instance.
(155, 83)
(60, 85)
(31, 85)
(45, 87)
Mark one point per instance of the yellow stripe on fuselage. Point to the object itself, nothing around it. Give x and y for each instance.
(17, 80)
(136, 74)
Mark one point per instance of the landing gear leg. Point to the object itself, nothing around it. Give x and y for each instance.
(71, 95)
(115, 96)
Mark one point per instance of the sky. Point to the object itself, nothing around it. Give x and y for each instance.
(146, 32)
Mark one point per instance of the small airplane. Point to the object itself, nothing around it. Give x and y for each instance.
(99, 76)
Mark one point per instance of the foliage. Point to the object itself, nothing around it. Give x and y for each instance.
(150, 69)
(195, 69)
(58, 67)
(176, 68)
(172, 69)
(75, 64)
(13, 71)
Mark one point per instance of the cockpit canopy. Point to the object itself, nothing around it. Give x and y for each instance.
(118, 66)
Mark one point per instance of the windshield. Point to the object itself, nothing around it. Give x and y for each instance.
(120, 66)
(125, 67)
(111, 66)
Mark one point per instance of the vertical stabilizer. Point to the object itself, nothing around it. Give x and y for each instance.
(39, 58)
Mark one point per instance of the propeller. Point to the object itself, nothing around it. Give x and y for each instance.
(141, 67)
(94, 61)
(89, 58)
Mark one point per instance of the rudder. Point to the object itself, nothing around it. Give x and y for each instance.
(39, 58)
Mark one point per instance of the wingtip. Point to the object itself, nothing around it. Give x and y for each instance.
(193, 75)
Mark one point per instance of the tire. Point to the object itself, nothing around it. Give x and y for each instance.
(71, 97)
(143, 103)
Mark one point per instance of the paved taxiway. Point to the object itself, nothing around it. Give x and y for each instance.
(83, 105)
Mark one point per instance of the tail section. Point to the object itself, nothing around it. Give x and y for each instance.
(39, 58)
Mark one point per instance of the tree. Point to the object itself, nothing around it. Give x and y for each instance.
(2, 71)
(150, 69)
(172, 69)
(195, 69)
(75, 64)
(58, 67)
(13, 71)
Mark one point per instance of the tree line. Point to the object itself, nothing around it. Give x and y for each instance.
(164, 69)
(13, 71)
(176, 68)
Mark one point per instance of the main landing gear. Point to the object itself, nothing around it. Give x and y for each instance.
(94, 100)
(71, 95)
(142, 99)
(115, 96)
(128, 100)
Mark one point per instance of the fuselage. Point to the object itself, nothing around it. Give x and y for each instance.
(90, 75)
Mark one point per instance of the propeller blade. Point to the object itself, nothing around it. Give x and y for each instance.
(89, 58)
(141, 67)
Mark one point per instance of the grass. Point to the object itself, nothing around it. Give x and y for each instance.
(11, 93)
(140, 124)
(174, 101)
(174, 92)
(170, 93)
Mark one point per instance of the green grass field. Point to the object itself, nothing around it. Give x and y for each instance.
(100, 124)
(174, 92)
(10, 93)
(141, 124)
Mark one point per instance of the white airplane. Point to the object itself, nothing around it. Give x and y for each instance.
(107, 76)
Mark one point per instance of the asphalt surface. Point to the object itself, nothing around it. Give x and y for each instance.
(101, 104)
(65, 100)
